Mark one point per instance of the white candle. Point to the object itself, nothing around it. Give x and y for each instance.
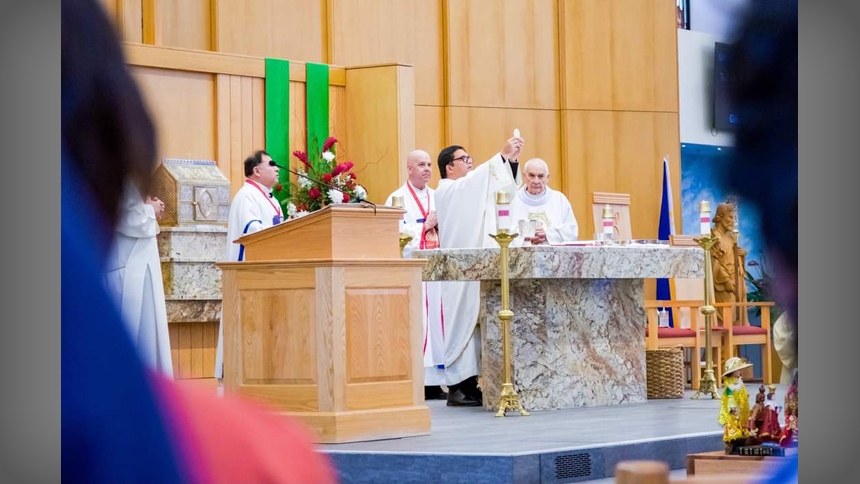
(608, 220)
(503, 212)
(705, 217)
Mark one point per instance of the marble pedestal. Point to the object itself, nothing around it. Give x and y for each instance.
(192, 291)
(578, 334)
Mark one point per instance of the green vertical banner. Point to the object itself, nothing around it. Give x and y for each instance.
(317, 110)
(278, 122)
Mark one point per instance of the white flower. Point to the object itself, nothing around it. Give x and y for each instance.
(328, 156)
(336, 196)
(291, 210)
(360, 192)
(302, 213)
(303, 181)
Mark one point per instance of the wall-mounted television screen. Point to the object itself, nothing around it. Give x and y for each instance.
(725, 118)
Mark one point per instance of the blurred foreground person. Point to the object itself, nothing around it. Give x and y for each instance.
(763, 66)
(120, 421)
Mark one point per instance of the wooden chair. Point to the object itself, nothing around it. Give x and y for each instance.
(735, 335)
(692, 338)
(620, 204)
(688, 296)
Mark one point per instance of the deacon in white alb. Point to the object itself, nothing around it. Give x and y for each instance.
(465, 201)
(134, 278)
(551, 210)
(254, 208)
(419, 201)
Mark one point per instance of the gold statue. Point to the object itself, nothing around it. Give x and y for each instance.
(728, 261)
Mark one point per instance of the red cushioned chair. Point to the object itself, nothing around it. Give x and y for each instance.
(693, 338)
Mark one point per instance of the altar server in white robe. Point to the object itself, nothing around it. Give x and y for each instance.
(465, 202)
(549, 209)
(419, 201)
(254, 208)
(134, 278)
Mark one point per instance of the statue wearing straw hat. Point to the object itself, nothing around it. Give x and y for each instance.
(735, 405)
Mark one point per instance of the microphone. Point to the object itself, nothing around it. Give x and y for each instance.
(360, 200)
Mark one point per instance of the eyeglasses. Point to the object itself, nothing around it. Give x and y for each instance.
(465, 159)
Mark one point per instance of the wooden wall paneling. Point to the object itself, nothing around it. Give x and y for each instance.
(484, 131)
(298, 121)
(185, 349)
(183, 109)
(196, 349)
(129, 15)
(591, 167)
(620, 54)
(173, 332)
(622, 152)
(258, 116)
(174, 58)
(503, 54)
(247, 128)
(210, 346)
(428, 57)
(178, 23)
(284, 29)
(381, 124)
(587, 64)
(430, 135)
(337, 114)
(224, 150)
(237, 173)
(372, 32)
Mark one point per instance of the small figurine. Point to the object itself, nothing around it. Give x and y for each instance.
(770, 430)
(789, 435)
(756, 421)
(734, 405)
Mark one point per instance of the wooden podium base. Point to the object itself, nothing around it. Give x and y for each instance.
(363, 425)
(323, 322)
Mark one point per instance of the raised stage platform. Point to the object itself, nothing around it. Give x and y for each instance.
(472, 446)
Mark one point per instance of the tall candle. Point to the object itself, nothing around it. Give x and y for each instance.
(705, 217)
(503, 212)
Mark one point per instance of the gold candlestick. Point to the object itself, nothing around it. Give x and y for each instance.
(397, 202)
(707, 384)
(508, 399)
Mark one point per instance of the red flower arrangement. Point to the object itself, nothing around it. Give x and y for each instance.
(323, 182)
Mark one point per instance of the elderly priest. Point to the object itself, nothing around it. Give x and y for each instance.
(549, 209)
(465, 198)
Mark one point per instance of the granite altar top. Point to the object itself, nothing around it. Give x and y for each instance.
(564, 262)
(196, 228)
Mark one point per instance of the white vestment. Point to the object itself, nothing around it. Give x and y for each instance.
(434, 320)
(134, 278)
(466, 213)
(551, 208)
(253, 209)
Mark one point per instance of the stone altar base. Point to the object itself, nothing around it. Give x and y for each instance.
(564, 355)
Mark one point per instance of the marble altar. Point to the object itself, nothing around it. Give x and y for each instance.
(578, 333)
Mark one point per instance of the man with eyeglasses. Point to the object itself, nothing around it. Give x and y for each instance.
(465, 198)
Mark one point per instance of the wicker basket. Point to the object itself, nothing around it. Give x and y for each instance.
(665, 372)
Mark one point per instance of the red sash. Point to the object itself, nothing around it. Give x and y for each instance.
(431, 242)
(266, 195)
